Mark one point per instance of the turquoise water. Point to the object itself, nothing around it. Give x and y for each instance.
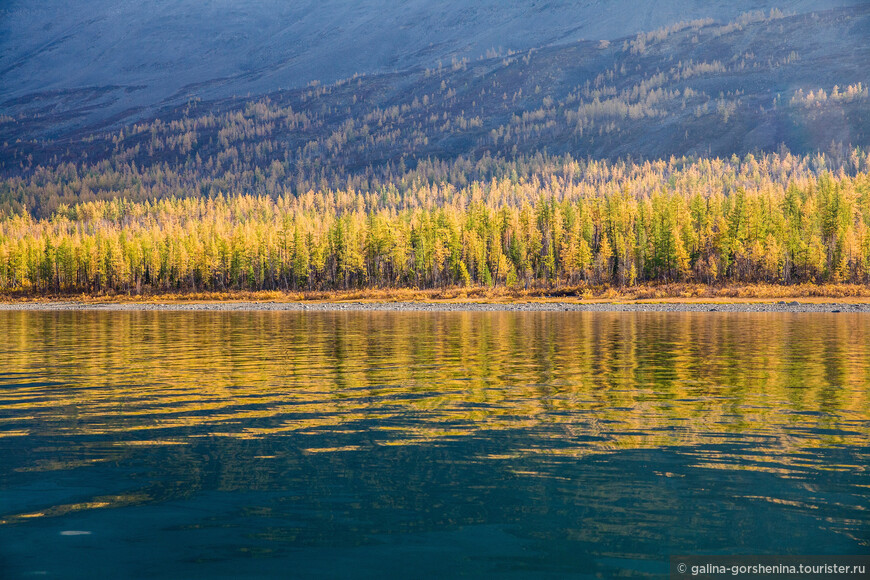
(427, 445)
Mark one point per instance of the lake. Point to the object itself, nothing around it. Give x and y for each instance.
(427, 445)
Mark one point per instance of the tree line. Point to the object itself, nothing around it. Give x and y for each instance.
(777, 219)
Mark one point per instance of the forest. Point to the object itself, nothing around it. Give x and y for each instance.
(703, 153)
(544, 222)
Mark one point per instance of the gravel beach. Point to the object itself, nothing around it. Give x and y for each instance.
(778, 306)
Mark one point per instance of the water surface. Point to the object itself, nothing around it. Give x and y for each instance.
(429, 445)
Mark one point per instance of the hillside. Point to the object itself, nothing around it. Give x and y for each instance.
(696, 88)
(85, 62)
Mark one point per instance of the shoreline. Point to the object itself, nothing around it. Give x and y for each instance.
(792, 306)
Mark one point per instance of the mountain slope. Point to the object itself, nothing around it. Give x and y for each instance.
(86, 61)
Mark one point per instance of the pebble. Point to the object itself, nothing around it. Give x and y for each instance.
(780, 306)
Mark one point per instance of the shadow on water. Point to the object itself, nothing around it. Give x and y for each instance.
(361, 444)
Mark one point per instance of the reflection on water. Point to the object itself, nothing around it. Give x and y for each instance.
(353, 444)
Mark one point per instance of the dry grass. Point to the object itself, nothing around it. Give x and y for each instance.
(750, 291)
(582, 293)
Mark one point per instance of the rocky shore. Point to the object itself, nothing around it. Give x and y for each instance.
(777, 306)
